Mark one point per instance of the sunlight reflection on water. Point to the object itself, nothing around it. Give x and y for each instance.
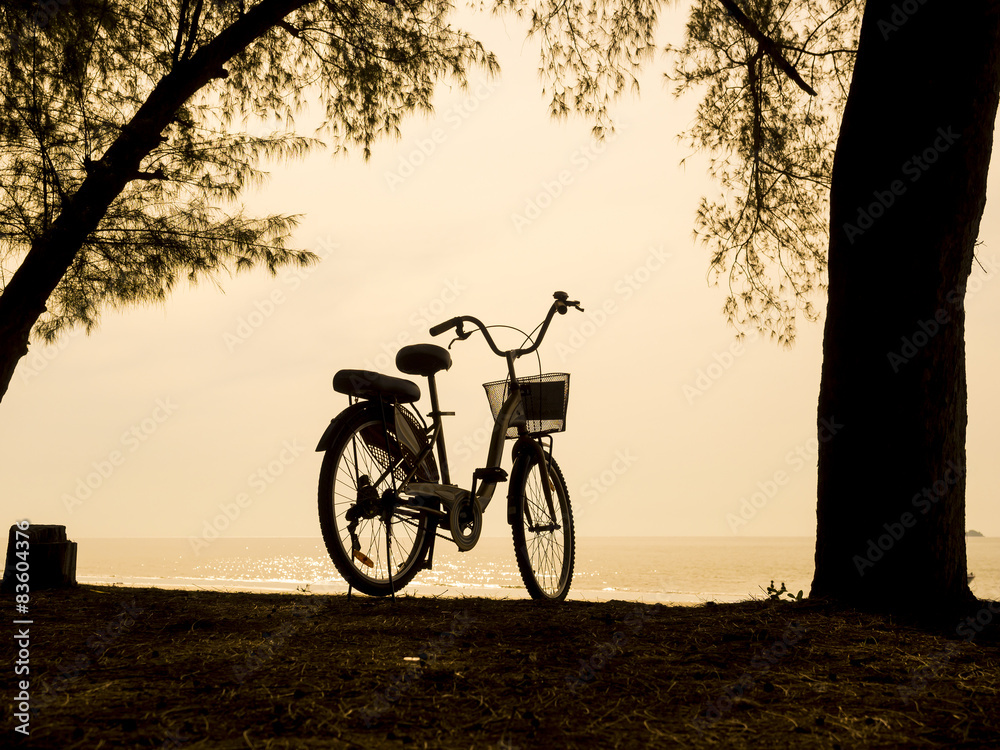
(674, 569)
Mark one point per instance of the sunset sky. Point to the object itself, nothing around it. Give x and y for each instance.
(158, 422)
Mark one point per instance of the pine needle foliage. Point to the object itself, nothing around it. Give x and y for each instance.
(771, 147)
(770, 144)
(591, 50)
(75, 75)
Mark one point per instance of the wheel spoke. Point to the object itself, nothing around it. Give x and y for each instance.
(543, 542)
(351, 482)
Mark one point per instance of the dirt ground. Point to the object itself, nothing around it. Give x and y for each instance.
(118, 667)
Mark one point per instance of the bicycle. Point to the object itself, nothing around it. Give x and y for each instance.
(385, 487)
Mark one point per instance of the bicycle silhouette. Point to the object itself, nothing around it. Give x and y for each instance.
(385, 489)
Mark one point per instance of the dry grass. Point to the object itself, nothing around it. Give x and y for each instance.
(122, 667)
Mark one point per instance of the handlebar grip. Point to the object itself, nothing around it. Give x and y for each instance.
(442, 327)
(563, 307)
(563, 303)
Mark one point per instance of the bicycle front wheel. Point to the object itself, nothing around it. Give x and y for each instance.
(377, 546)
(543, 535)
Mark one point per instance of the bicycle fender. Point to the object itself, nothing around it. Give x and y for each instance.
(519, 447)
(334, 427)
(328, 435)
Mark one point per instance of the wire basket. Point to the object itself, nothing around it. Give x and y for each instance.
(544, 397)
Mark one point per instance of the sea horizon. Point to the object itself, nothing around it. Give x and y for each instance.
(679, 570)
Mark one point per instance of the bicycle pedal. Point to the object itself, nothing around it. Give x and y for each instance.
(362, 558)
(491, 474)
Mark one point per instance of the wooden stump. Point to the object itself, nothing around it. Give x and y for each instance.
(51, 558)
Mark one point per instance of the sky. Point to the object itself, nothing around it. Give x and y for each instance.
(199, 418)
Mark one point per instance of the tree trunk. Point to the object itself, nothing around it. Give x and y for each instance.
(23, 299)
(908, 193)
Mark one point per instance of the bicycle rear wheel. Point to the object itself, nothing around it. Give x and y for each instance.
(544, 543)
(357, 503)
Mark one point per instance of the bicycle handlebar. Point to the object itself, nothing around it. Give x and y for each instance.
(561, 305)
(442, 327)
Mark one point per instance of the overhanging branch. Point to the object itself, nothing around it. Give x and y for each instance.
(767, 44)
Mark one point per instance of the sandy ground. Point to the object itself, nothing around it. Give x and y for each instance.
(118, 667)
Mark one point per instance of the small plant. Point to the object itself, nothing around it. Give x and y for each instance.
(781, 594)
(305, 589)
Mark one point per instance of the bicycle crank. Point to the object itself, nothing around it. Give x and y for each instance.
(465, 520)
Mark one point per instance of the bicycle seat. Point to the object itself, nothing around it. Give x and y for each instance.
(422, 359)
(367, 384)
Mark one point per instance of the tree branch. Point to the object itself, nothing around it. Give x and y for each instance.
(767, 44)
(193, 29)
(156, 175)
(289, 28)
(181, 23)
(53, 250)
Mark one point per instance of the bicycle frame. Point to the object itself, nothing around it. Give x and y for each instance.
(511, 414)
(377, 488)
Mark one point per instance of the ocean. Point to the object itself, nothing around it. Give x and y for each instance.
(681, 570)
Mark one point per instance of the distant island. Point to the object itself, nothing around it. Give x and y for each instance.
(973, 532)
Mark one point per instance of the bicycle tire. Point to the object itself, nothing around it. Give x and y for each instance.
(545, 557)
(364, 440)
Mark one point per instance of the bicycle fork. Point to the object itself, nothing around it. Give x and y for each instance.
(548, 487)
